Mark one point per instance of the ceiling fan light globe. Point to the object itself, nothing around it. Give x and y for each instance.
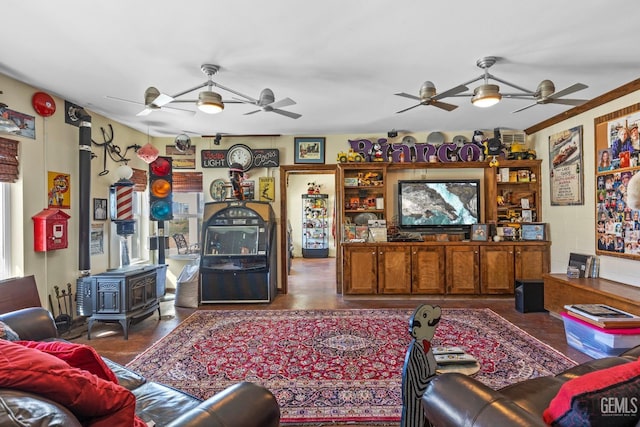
(210, 102)
(486, 95)
(427, 90)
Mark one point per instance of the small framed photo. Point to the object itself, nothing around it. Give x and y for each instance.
(99, 209)
(533, 231)
(309, 150)
(527, 215)
(479, 232)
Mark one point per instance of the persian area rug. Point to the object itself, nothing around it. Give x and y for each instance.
(335, 366)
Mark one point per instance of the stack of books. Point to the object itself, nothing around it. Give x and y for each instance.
(603, 316)
(581, 265)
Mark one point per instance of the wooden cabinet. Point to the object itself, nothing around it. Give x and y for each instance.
(507, 185)
(497, 269)
(463, 269)
(441, 268)
(371, 269)
(531, 261)
(394, 269)
(427, 270)
(360, 275)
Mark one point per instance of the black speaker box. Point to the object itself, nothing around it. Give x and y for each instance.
(529, 296)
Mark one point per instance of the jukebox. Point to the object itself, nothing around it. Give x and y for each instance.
(238, 260)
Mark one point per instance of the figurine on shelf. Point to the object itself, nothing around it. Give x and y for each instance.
(237, 176)
(313, 188)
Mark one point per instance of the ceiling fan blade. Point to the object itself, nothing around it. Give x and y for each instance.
(162, 100)
(282, 103)
(406, 95)
(145, 112)
(410, 108)
(443, 105)
(178, 111)
(567, 101)
(571, 89)
(524, 108)
(252, 112)
(287, 113)
(124, 100)
(451, 92)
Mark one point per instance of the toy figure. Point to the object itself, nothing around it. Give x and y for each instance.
(237, 176)
(419, 364)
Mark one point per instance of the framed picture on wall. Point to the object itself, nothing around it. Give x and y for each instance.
(309, 150)
(100, 209)
(565, 173)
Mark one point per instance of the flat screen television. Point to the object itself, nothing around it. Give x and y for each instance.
(438, 205)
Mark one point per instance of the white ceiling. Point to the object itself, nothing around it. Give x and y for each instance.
(340, 60)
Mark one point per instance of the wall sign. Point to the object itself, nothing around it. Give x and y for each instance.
(262, 158)
(566, 172)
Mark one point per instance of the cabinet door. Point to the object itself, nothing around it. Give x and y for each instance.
(497, 267)
(531, 262)
(463, 273)
(427, 270)
(394, 270)
(360, 270)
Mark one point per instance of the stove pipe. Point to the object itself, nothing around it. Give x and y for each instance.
(84, 187)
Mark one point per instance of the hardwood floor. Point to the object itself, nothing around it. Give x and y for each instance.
(312, 286)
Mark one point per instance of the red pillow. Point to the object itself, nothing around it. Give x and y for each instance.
(608, 397)
(76, 355)
(96, 402)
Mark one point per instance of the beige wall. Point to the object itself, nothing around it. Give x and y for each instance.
(573, 227)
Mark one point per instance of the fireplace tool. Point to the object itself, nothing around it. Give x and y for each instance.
(64, 319)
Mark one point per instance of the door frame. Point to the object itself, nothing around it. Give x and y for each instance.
(285, 171)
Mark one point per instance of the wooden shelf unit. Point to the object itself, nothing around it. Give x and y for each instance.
(360, 268)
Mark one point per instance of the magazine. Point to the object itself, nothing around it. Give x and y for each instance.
(603, 315)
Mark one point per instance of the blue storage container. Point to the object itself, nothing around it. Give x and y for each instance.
(598, 342)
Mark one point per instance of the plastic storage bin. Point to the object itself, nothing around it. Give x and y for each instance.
(598, 342)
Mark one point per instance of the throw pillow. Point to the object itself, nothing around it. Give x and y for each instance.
(96, 402)
(76, 355)
(606, 397)
(6, 333)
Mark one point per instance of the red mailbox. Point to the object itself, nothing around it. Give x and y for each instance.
(50, 230)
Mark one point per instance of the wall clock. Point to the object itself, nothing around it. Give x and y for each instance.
(241, 154)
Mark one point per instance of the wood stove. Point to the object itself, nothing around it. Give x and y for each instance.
(125, 295)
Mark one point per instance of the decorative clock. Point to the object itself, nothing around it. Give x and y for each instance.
(241, 154)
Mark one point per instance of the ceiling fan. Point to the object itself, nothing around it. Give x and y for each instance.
(428, 96)
(488, 94)
(267, 103)
(208, 101)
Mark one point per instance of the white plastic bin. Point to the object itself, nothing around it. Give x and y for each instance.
(598, 342)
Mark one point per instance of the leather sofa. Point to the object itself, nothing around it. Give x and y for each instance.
(243, 404)
(454, 399)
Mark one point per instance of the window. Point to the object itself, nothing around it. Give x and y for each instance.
(187, 220)
(5, 234)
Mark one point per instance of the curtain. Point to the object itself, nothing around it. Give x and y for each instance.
(139, 179)
(187, 182)
(8, 160)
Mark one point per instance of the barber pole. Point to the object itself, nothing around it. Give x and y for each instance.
(121, 193)
(124, 200)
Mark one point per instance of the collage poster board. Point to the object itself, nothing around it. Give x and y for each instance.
(566, 177)
(617, 147)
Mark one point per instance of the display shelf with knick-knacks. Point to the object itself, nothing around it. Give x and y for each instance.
(315, 240)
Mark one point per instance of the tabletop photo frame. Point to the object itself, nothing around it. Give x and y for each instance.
(479, 232)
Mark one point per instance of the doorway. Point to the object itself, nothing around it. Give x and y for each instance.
(289, 199)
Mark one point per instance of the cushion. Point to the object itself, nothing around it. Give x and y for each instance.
(76, 355)
(6, 333)
(605, 397)
(95, 401)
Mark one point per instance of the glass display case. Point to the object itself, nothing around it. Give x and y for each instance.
(315, 238)
(238, 260)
